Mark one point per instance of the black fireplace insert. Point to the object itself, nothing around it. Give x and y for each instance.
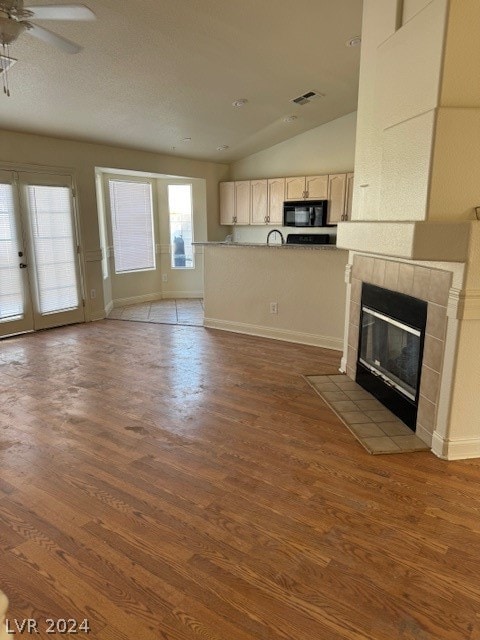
(390, 349)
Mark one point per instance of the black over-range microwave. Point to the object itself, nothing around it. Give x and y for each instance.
(305, 213)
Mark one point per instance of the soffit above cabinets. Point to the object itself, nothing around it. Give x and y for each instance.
(162, 76)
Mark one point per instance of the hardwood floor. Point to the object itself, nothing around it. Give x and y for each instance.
(172, 483)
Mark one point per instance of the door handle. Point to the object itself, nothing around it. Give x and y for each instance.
(22, 265)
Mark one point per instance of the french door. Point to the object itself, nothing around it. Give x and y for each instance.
(40, 285)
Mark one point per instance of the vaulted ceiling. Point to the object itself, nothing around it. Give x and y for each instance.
(154, 72)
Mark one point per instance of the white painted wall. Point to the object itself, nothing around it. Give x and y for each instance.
(328, 148)
(308, 285)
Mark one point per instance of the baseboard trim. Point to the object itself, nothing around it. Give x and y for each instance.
(461, 449)
(179, 295)
(148, 297)
(276, 334)
(152, 297)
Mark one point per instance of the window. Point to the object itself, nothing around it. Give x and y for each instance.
(181, 225)
(132, 225)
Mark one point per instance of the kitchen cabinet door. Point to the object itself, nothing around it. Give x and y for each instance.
(316, 187)
(259, 208)
(349, 197)
(295, 188)
(276, 197)
(336, 197)
(242, 202)
(227, 202)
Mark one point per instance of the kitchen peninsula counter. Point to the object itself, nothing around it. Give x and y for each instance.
(289, 292)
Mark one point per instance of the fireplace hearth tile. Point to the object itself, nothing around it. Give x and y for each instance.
(382, 415)
(354, 417)
(377, 429)
(408, 442)
(346, 405)
(358, 394)
(381, 445)
(366, 430)
(394, 429)
(347, 385)
(334, 396)
(369, 405)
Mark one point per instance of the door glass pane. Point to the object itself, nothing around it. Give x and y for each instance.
(54, 247)
(11, 289)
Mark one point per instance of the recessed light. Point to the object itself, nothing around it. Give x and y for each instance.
(241, 102)
(224, 147)
(290, 119)
(353, 42)
(186, 140)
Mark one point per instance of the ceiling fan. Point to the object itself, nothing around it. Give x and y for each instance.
(15, 19)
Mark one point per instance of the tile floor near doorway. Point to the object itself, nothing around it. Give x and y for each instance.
(178, 311)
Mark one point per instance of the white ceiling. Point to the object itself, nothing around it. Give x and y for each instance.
(155, 71)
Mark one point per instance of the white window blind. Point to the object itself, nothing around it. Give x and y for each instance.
(11, 289)
(54, 247)
(132, 225)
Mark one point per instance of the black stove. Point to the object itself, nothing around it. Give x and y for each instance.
(308, 238)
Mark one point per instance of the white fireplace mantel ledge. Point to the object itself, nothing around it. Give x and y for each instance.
(411, 240)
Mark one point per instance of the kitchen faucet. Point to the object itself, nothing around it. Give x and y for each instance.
(275, 231)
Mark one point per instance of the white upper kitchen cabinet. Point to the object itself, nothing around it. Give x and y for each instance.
(259, 208)
(276, 197)
(242, 202)
(227, 202)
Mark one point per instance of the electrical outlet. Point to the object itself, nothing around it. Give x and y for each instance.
(164, 277)
(93, 294)
(273, 307)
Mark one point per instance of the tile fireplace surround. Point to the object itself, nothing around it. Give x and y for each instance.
(426, 283)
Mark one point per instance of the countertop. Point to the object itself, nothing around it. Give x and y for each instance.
(264, 245)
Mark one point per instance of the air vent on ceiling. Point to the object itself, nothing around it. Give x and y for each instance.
(307, 97)
(6, 63)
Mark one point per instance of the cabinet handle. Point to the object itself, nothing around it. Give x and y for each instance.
(265, 219)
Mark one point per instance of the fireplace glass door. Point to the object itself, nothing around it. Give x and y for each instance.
(391, 350)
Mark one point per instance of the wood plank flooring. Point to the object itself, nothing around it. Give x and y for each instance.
(178, 483)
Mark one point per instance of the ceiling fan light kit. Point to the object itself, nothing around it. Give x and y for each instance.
(15, 20)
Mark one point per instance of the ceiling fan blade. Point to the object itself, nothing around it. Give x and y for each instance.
(61, 12)
(52, 38)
